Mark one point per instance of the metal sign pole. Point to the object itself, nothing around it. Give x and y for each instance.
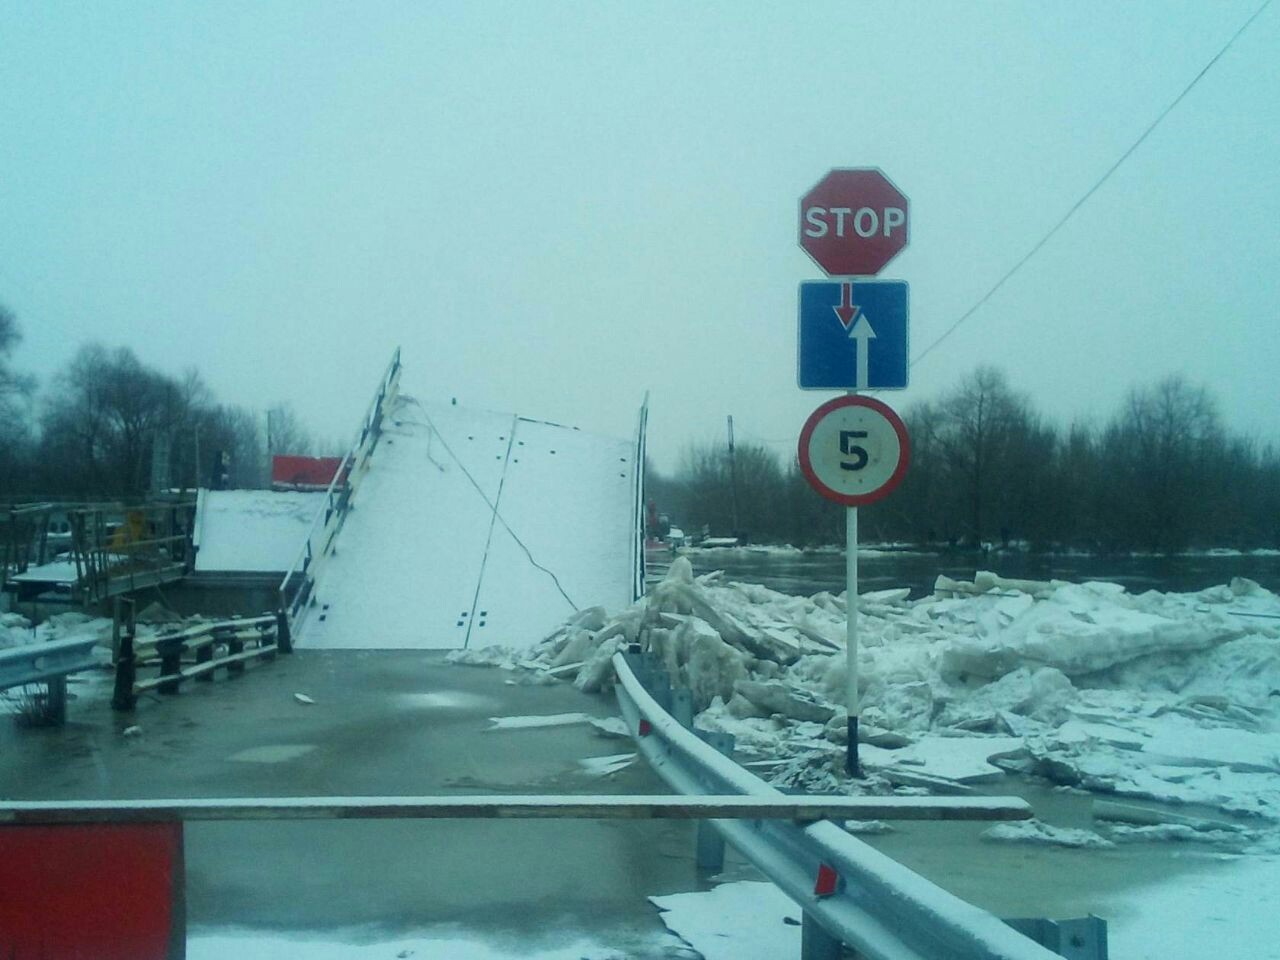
(851, 637)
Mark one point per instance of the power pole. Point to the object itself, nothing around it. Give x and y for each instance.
(733, 477)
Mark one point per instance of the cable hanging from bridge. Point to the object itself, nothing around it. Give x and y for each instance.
(492, 506)
(1091, 191)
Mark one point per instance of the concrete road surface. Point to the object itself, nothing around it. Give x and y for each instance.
(383, 723)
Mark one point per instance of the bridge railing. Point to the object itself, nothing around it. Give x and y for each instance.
(121, 547)
(297, 587)
(24, 537)
(849, 892)
(638, 559)
(239, 639)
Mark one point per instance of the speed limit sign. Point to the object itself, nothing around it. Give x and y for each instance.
(854, 450)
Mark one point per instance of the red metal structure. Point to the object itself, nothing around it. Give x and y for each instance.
(303, 473)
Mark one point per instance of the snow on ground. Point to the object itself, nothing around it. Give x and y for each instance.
(1201, 912)
(445, 945)
(1228, 912)
(546, 720)
(16, 629)
(735, 921)
(1171, 697)
(253, 530)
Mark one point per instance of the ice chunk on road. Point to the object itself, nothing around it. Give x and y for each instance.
(603, 766)
(541, 720)
(735, 921)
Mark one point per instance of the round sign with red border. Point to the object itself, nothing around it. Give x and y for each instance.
(854, 450)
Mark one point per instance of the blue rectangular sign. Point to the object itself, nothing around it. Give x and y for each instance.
(853, 335)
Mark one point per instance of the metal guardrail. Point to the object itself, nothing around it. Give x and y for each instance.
(850, 893)
(47, 663)
(39, 662)
(299, 580)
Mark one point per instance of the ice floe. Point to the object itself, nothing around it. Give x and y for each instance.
(1167, 696)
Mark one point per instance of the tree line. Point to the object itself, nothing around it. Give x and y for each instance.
(1162, 474)
(92, 430)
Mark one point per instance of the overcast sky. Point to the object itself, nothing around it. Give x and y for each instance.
(555, 207)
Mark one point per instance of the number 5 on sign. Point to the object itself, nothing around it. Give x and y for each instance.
(849, 448)
(854, 450)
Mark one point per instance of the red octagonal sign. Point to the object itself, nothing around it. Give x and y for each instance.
(853, 222)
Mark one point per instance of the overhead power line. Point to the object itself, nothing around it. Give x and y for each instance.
(1092, 190)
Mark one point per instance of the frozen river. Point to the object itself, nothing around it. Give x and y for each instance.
(807, 573)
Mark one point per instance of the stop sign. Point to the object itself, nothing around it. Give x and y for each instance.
(853, 222)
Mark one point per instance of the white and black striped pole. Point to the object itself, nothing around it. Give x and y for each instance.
(851, 638)
(853, 450)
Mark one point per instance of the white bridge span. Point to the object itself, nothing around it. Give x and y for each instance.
(469, 528)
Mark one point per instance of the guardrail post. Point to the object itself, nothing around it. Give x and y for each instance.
(682, 707)
(815, 942)
(122, 697)
(709, 844)
(56, 705)
(170, 651)
(284, 642)
(1083, 938)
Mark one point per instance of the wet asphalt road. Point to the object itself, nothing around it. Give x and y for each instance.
(383, 723)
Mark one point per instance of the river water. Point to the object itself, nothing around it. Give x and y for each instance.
(807, 573)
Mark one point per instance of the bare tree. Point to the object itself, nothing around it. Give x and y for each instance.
(989, 439)
(15, 411)
(1159, 452)
(286, 433)
(99, 426)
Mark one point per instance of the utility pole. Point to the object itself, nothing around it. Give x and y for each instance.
(733, 478)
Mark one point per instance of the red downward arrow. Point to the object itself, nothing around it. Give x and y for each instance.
(846, 311)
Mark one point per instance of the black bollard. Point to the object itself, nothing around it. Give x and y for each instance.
(122, 697)
(284, 642)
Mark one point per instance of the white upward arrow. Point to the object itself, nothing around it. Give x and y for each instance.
(862, 334)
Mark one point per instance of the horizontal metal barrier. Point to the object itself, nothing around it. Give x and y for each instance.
(852, 892)
(48, 663)
(38, 662)
(538, 807)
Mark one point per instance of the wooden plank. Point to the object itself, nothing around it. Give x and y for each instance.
(146, 649)
(806, 808)
(186, 673)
